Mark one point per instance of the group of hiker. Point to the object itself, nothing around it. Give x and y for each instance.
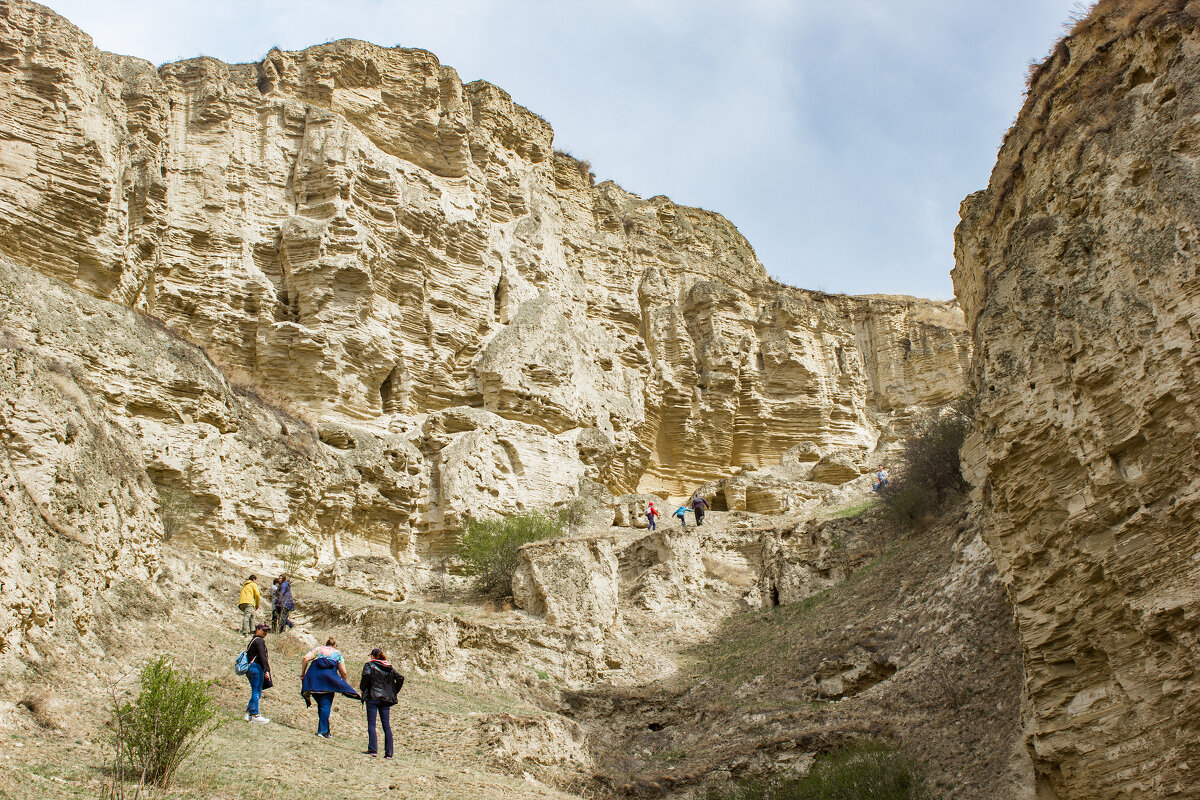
(282, 604)
(322, 672)
(698, 506)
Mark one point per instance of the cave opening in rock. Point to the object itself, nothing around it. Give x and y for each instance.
(391, 397)
(774, 596)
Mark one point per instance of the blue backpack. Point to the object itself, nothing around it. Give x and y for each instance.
(242, 665)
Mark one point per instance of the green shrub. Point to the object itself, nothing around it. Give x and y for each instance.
(173, 715)
(489, 547)
(866, 771)
(929, 472)
(294, 553)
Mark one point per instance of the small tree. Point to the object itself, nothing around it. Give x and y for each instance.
(175, 509)
(930, 470)
(173, 715)
(294, 553)
(573, 514)
(488, 548)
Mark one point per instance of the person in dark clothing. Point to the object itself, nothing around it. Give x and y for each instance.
(322, 675)
(698, 506)
(378, 687)
(275, 604)
(259, 672)
(284, 603)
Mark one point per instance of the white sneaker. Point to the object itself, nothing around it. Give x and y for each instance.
(260, 719)
(247, 717)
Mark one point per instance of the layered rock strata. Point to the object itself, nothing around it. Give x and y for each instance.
(337, 302)
(366, 234)
(1078, 272)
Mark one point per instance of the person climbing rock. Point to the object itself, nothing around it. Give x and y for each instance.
(248, 602)
(322, 675)
(698, 506)
(259, 673)
(651, 514)
(378, 686)
(284, 603)
(681, 512)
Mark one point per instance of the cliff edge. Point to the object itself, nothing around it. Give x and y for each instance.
(1077, 269)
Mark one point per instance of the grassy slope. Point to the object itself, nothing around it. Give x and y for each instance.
(438, 750)
(748, 702)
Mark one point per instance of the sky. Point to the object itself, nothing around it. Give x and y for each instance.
(840, 137)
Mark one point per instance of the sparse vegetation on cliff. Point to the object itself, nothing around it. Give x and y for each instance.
(489, 547)
(874, 770)
(930, 472)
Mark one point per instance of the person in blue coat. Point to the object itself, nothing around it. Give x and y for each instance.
(681, 512)
(322, 675)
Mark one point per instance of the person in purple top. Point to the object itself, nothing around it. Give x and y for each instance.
(284, 604)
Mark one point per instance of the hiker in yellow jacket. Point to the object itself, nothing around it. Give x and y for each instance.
(249, 601)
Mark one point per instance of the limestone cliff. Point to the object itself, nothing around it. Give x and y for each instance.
(1077, 269)
(363, 232)
(340, 296)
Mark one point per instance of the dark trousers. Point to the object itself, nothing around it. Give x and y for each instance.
(699, 515)
(324, 707)
(279, 620)
(385, 717)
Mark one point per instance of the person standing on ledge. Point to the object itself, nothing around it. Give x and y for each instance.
(698, 506)
(248, 602)
(651, 513)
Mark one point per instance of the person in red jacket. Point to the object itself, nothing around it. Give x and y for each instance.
(651, 513)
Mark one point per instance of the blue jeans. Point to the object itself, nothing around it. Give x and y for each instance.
(324, 707)
(385, 717)
(255, 676)
(650, 518)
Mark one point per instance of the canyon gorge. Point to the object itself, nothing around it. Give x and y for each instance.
(340, 302)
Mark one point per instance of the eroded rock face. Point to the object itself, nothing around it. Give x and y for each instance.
(342, 300)
(1077, 269)
(367, 235)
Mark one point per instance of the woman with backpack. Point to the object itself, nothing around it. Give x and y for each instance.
(258, 672)
(322, 675)
(378, 686)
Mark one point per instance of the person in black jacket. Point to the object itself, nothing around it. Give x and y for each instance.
(259, 673)
(378, 688)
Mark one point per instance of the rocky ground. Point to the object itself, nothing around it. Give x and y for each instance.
(698, 678)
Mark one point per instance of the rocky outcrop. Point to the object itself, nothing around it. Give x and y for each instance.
(1077, 269)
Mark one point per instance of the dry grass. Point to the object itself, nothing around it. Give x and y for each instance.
(580, 165)
(43, 709)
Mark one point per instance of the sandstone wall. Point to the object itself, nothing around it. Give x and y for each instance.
(368, 235)
(1077, 269)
